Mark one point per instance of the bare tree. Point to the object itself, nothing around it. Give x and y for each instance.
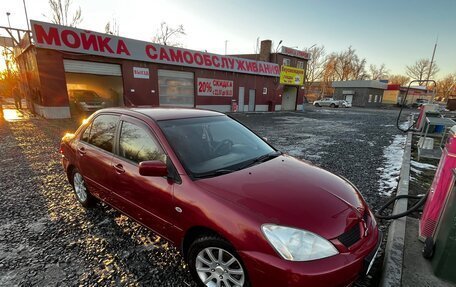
(398, 80)
(446, 87)
(378, 73)
(315, 65)
(112, 27)
(347, 65)
(60, 13)
(420, 70)
(169, 36)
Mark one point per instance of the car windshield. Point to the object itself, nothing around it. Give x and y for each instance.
(86, 95)
(210, 146)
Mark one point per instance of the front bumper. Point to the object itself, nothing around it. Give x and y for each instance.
(337, 271)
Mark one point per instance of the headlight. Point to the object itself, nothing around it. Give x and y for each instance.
(297, 244)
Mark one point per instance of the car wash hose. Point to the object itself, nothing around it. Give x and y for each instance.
(422, 199)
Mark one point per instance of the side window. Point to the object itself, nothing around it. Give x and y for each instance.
(86, 133)
(103, 132)
(286, 62)
(137, 145)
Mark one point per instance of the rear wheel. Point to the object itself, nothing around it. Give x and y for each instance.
(213, 262)
(332, 105)
(81, 191)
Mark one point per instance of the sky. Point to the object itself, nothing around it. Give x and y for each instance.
(391, 32)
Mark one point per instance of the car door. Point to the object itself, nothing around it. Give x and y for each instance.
(95, 151)
(148, 199)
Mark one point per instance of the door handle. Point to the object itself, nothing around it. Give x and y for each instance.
(119, 168)
(81, 150)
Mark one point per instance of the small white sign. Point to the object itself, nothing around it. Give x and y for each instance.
(140, 73)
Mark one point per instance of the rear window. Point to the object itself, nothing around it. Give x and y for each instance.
(103, 132)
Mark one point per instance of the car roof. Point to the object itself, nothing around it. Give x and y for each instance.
(160, 114)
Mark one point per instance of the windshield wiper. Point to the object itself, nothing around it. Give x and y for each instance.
(214, 173)
(261, 158)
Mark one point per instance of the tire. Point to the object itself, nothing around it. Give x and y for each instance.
(204, 267)
(332, 105)
(317, 105)
(80, 189)
(428, 248)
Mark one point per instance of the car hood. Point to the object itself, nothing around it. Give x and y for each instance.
(293, 193)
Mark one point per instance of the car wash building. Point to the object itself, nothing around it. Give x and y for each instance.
(71, 71)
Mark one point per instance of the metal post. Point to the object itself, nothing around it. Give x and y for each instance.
(26, 16)
(7, 16)
(432, 61)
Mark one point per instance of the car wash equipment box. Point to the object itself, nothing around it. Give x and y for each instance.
(439, 188)
(444, 259)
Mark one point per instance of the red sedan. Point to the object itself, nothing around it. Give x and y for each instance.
(243, 213)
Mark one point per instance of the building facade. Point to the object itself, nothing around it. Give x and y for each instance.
(360, 93)
(71, 71)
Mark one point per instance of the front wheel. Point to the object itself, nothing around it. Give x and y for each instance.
(333, 106)
(317, 105)
(213, 262)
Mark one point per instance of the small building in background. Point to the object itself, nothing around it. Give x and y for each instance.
(416, 95)
(360, 93)
(391, 94)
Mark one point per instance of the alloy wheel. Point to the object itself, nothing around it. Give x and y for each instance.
(79, 187)
(217, 267)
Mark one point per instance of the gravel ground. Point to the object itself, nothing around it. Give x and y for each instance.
(47, 239)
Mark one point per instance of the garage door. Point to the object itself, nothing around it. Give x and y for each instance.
(85, 67)
(92, 86)
(176, 88)
(289, 98)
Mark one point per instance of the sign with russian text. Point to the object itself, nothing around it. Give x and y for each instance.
(295, 53)
(140, 73)
(215, 87)
(56, 37)
(291, 76)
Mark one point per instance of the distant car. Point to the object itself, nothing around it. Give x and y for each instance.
(345, 104)
(420, 102)
(242, 213)
(87, 100)
(327, 102)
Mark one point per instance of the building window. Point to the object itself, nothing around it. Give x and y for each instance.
(376, 98)
(370, 98)
(300, 65)
(286, 62)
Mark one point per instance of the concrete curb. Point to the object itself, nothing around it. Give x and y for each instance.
(394, 250)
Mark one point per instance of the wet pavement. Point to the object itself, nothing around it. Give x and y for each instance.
(47, 239)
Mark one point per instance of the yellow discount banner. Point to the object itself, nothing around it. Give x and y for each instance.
(291, 76)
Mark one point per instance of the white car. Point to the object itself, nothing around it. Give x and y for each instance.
(327, 102)
(345, 104)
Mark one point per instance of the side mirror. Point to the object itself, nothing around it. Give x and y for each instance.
(153, 168)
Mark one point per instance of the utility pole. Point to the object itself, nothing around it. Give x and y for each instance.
(432, 60)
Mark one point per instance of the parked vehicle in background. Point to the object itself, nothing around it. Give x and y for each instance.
(242, 213)
(419, 103)
(327, 102)
(87, 100)
(345, 104)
